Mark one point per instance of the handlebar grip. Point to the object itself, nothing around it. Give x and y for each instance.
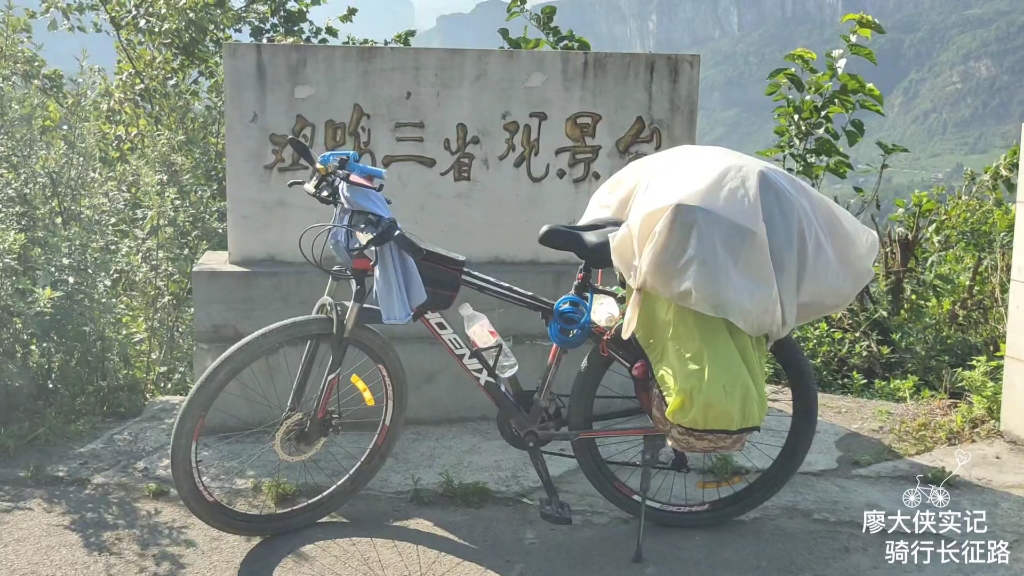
(348, 160)
(367, 171)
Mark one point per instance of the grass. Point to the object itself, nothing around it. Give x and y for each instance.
(869, 459)
(34, 472)
(419, 495)
(937, 476)
(723, 467)
(45, 429)
(469, 494)
(942, 423)
(277, 491)
(155, 490)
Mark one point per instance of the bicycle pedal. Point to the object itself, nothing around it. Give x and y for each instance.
(555, 511)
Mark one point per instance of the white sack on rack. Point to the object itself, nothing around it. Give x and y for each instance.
(734, 237)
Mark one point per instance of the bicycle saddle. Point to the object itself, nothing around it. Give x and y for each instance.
(589, 242)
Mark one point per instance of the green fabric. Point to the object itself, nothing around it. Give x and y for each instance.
(711, 373)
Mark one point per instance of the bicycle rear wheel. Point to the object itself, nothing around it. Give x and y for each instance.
(241, 463)
(741, 480)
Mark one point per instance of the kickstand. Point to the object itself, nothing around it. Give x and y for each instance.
(650, 453)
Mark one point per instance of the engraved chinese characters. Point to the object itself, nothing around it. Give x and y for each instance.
(576, 152)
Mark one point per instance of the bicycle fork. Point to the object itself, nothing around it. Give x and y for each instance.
(339, 347)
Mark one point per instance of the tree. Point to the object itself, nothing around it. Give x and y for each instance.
(934, 317)
(113, 188)
(818, 109)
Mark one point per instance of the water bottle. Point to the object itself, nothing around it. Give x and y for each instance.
(605, 311)
(482, 334)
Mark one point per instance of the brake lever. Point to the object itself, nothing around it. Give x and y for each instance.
(346, 177)
(294, 183)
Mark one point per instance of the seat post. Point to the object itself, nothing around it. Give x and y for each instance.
(582, 283)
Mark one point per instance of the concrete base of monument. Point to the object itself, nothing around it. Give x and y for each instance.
(234, 301)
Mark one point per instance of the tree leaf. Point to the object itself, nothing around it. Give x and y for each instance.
(863, 52)
(853, 137)
(874, 93)
(793, 78)
(801, 57)
(870, 106)
(858, 125)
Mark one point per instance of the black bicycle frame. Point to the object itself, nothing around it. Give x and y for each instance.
(528, 423)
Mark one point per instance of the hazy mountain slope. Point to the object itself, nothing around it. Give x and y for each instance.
(377, 19)
(949, 67)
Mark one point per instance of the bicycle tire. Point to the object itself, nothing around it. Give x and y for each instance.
(219, 375)
(800, 379)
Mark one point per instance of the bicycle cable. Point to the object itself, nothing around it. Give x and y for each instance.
(570, 321)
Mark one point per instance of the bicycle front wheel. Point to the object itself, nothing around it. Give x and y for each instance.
(244, 464)
(694, 490)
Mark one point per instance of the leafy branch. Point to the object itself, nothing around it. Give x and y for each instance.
(817, 109)
(544, 22)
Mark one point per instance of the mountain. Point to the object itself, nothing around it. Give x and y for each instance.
(377, 19)
(427, 11)
(949, 68)
(475, 29)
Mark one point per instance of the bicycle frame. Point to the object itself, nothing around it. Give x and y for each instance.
(528, 423)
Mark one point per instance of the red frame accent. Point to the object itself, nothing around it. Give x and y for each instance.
(327, 397)
(362, 263)
(358, 180)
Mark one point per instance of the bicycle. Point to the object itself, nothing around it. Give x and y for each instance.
(937, 495)
(527, 419)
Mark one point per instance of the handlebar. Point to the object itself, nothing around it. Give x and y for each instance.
(349, 162)
(332, 165)
(344, 165)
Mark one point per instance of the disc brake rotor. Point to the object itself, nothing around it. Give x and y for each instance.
(287, 446)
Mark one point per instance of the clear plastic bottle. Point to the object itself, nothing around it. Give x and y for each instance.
(482, 334)
(605, 311)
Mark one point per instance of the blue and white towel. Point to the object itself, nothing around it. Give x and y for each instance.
(397, 285)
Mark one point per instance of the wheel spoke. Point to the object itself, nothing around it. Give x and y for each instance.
(258, 459)
(721, 479)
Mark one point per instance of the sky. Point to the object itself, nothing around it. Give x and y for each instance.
(60, 49)
(427, 11)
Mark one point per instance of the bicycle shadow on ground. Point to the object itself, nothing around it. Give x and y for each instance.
(107, 520)
(817, 520)
(488, 542)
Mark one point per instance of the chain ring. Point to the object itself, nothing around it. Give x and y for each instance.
(508, 431)
(279, 440)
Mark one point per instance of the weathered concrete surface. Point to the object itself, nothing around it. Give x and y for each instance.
(992, 463)
(383, 99)
(1012, 414)
(529, 137)
(813, 527)
(101, 525)
(232, 301)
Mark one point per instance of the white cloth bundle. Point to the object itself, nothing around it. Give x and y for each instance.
(734, 237)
